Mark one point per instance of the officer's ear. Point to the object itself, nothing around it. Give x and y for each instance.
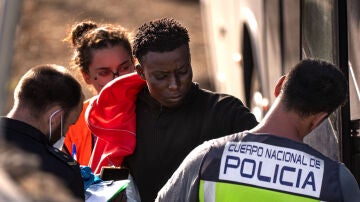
(53, 118)
(318, 119)
(140, 71)
(279, 85)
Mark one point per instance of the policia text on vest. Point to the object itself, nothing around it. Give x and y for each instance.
(274, 167)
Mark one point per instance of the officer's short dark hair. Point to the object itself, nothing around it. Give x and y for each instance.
(313, 86)
(45, 86)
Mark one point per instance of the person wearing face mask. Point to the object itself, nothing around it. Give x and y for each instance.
(47, 100)
(101, 53)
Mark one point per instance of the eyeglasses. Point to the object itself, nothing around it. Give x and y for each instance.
(108, 74)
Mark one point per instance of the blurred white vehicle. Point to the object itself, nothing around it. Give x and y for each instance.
(251, 43)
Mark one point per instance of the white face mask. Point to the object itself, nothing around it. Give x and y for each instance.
(60, 142)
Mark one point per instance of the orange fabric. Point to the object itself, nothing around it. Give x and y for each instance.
(111, 117)
(80, 135)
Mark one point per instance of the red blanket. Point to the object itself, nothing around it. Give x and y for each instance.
(111, 118)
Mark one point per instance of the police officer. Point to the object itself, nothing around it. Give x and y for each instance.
(270, 162)
(47, 101)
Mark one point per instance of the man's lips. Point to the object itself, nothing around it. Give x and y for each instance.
(175, 98)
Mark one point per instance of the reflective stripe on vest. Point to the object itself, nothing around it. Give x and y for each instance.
(218, 191)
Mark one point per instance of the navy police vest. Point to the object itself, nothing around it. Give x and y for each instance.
(247, 167)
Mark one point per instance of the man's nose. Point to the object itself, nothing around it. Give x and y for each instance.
(173, 82)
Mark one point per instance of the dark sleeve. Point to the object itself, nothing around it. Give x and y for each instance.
(349, 186)
(233, 116)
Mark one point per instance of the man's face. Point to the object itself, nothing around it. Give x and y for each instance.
(72, 116)
(168, 75)
(68, 120)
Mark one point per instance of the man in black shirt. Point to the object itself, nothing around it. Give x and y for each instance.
(47, 101)
(173, 114)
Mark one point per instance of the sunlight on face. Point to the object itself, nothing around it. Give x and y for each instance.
(168, 75)
(108, 64)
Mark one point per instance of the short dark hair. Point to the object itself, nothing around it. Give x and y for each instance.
(313, 86)
(47, 85)
(161, 35)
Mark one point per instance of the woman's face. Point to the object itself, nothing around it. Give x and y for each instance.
(107, 64)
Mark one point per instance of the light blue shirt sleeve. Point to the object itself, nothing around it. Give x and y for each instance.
(184, 183)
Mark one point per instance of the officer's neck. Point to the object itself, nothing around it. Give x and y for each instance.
(23, 114)
(282, 123)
